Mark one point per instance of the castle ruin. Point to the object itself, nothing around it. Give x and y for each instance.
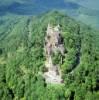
(53, 44)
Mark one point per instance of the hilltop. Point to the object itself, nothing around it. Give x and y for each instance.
(22, 59)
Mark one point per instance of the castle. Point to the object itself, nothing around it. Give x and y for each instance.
(53, 43)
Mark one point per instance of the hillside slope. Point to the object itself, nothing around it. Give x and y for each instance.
(78, 9)
(22, 59)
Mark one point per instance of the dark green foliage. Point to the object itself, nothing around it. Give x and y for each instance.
(57, 58)
(22, 60)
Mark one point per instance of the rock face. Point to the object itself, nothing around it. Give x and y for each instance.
(53, 44)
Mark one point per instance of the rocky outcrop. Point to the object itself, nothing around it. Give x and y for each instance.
(53, 44)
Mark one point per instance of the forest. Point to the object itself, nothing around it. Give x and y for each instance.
(22, 58)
